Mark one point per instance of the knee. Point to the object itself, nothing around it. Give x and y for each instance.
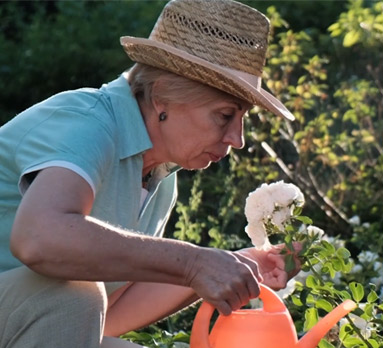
(57, 308)
(89, 298)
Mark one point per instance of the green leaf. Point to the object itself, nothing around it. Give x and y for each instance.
(311, 282)
(372, 296)
(357, 291)
(373, 343)
(378, 27)
(325, 344)
(324, 304)
(351, 342)
(311, 318)
(182, 337)
(328, 246)
(345, 295)
(297, 211)
(304, 219)
(368, 311)
(296, 301)
(343, 253)
(336, 264)
(345, 331)
(289, 263)
(351, 38)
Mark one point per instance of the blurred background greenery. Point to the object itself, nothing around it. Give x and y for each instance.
(325, 62)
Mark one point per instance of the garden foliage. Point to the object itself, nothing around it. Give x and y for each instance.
(325, 62)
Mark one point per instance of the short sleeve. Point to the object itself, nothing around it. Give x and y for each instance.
(76, 138)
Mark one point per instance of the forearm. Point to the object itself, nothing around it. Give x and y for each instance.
(79, 247)
(142, 304)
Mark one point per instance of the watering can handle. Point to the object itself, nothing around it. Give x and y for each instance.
(200, 330)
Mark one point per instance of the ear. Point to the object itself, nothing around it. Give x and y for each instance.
(158, 105)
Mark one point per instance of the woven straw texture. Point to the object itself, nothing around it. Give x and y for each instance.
(220, 31)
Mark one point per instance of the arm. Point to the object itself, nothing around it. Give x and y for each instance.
(128, 312)
(54, 235)
(142, 304)
(52, 228)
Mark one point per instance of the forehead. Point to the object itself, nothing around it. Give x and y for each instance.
(212, 94)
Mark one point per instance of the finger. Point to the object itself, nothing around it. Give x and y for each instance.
(276, 279)
(222, 307)
(254, 289)
(276, 249)
(234, 302)
(244, 295)
(277, 259)
(252, 264)
(280, 279)
(243, 287)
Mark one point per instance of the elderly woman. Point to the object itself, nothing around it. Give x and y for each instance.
(88, 181)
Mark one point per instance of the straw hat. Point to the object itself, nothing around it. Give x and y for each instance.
(221, 43)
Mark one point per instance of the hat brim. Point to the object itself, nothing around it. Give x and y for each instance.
(239, 84)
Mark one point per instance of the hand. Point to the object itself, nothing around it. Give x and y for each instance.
(271, 264)
(225, 279)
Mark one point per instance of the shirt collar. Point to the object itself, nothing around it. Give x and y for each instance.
(133, 137)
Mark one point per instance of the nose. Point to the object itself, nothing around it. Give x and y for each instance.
(234, 134)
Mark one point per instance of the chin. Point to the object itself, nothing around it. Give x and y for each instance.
(199, 166)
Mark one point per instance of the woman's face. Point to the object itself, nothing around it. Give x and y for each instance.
(196, 135)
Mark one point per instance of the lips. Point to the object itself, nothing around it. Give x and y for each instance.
(215, 157)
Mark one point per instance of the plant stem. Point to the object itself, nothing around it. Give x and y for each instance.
(357, 331)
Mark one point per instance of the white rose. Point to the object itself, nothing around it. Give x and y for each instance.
(273, 202)
(280, 216)
(258, 236)
(258, 205)
(286, 194)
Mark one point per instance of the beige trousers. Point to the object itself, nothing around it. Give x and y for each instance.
(41, 312)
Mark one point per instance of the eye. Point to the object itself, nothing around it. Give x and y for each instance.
(224, 115)
(226, 118)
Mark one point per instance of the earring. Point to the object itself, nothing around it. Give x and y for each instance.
(162, 116)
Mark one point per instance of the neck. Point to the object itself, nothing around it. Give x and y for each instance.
(154, 156)
(149, 162)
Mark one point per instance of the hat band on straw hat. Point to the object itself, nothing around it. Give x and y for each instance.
(252, 80)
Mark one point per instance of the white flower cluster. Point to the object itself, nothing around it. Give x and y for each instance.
(363, 325)
(369, 259)
(273, 203)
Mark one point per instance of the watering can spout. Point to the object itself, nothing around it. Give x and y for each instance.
(311, 339)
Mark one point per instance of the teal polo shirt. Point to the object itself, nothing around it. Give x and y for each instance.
(100, 135)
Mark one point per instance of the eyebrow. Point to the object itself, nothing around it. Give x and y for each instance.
(237, 104)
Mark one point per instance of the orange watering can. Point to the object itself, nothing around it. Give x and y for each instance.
(267, 327)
